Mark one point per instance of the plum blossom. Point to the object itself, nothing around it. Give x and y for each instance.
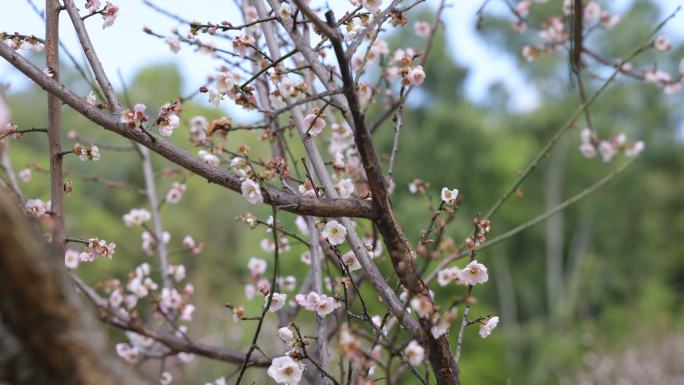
(345, 187)
(530, 53)
(314, 123)
(285, 370)
(287, 283)
(165, 378)
(97, 248)
(662, 43)
(215, 97)
(474, 273)
(251, 191)
(71, 259)
(84, 154)
(175, 193)
(334, 232)
(174, 43)
(284, 11)
(592, 11)
(609, 21)
(32, 45)
(350, 260)
(320, 303)
(256, 266)
(91, 99)
(129, 353)
(285, 334)
(109, 15)
(443, 323)
(116, 299)
(209, 158)
(170, 300)
(136, 217)
(268, 245)
(414, 353)
(177, 272)
(364, 92)
(449, 196)
(422, 306)
(198, 129)
(136, 117)
(588, 150)
(186, 314)
(487, 328)
(277, 302)
(241, 166)
(373, 6)
(326, 305)
(36, 208)
(241, 43)
(149, 243)
(416, 76)
(92, 5)
(607, 150)
(301, 224)
(168, 123)
(445, 276)
(190, 244)
(421, 28)
(635, 149)
(307, 189)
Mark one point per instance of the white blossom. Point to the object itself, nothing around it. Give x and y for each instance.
(285, 370)
(136, 217)
(345, 187)
(487, 327)
(334, 232)
(414, 353)
(449, 196)
(251, 191)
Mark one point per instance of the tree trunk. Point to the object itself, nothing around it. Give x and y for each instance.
(47, 336)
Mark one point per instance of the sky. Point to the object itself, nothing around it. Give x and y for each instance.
(125, 48)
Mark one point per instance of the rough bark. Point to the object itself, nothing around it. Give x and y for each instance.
(46, 335)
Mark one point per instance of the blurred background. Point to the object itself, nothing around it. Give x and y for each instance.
(593, 295)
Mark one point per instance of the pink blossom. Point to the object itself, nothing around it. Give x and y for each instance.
(474, 273)
(588, 150)
(314, 124)
(173, 43)
(92, 5)
(635, 149)
(71, 259)
(277, 302)
(175, 194)
(109, 15)
(416, 76)
(256, 266)
(607, 150)
(170, 300)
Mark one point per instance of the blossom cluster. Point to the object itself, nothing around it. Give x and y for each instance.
(591, 145)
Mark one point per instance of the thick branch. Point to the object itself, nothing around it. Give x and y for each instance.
(52, 9)
(398, 247)
(94, 61)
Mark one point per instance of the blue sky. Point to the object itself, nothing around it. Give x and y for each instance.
(125, 48)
